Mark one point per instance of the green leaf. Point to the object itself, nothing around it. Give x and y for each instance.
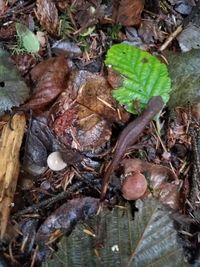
(148, 240)
(143, 75)
(13, 90)
(27, 38)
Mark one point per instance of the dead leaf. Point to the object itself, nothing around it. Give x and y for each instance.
(82, 129)
(40, 141)
(67, 48)
(129, 12)
(150, 32)
(150, 239)
(13, 90)
(161, 180)
(7, 32)
(81, 114)
(63, 221)
(50, 79)
(24, 62)
(114, 78)
(47, 14)
(87, 13)
(95, 94)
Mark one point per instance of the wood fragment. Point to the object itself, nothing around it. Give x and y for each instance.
(171, 37)
(10, 144)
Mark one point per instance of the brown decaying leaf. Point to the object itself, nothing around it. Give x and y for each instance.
(7, 32)
(95, 94)
(87, 13)
(161, 179)
(114, 78)
(24, 62)
(50, 79)
(63, 221)
(84, 110)
(129, 12)
(47, 14)
(82, 129)
(149, 32)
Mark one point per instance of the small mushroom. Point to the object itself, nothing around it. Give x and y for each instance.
(134, 186)
(55, 161)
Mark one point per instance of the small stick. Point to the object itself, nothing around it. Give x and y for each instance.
(48, 202)
(171, 38)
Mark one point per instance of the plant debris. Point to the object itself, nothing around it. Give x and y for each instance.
(103, 165)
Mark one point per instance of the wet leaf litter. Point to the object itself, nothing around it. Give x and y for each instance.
(86, 166)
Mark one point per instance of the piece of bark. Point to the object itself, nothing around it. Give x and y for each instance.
(10, 144)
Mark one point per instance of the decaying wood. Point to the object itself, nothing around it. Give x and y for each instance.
(10, 144)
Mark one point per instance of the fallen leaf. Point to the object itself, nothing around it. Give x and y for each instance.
(185, 77)
(40, 142)
(155, 239)
(27, 38)
(82, 114)
(95, 94)
(144, 76)
(63, 46)
(63, 220)
(24, 62)
(50, 78)
(150, 32)
(163, 183)
(129, 12)
(189, 38)
(13, 90)
(82, 129)
(149, 239)
(47, 15)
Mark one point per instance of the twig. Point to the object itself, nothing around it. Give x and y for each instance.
(49, 202)
(171, 38)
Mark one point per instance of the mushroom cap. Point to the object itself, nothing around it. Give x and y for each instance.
(55, 161)
(134, 186)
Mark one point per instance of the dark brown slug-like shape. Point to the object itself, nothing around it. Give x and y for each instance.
(129, 135)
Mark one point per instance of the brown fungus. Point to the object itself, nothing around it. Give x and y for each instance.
(134, 186)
